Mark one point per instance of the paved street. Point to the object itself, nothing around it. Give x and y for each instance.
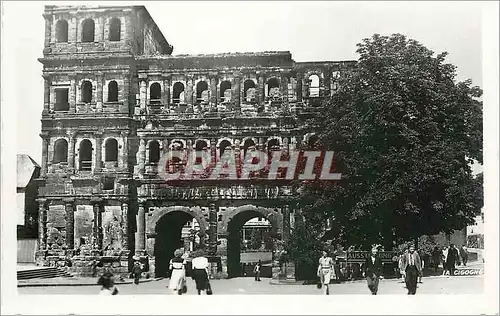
(432, 285)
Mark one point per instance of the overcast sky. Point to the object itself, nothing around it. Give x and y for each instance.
(309, 30)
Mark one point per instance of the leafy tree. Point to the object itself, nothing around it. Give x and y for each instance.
(404, 133)
(255, 239)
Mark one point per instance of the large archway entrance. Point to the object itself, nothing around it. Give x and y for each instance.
(251, 232)
(175, 228)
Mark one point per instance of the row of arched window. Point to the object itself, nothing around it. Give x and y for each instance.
(85, 152)
(86, 89)
(88, 30)
(202, 91)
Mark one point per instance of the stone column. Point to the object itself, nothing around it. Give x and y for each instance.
(99, 82)
(45, 152)
(72, 94)
(141, 157)
(260, 89)
(97, 229)
(143, 94)
(42, 212)
(213, 149)
(124, 224)
(237, 97)
(98, 152)
(188, 94)
(284, 89)
(124, 155)
(166, 92)
(69, 205)
(212, 222)
(140, 238)
(71, 149)
(46, 94)
(213, 88)
(124, 95)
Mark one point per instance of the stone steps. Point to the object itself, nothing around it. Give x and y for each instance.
(42, 273)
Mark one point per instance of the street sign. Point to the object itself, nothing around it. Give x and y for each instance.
(361, 256)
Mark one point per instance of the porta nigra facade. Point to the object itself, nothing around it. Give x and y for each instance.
(116, 100)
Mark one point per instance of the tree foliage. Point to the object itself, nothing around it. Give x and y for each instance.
(404, 133)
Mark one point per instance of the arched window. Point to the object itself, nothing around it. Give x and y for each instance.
(200, 88)
(62, 31)
(249, 90)
(60, 151)
(273, 87)
(112, 91)
(114, 30)
(225, 144)
(155, 93)
(201, 145)
(154, 151)
(88, 31)
(273, 145)
(111, 147)
(246, 145)
(312, 141)
(85, 155)
(314, 86)
(225, 91)
(86, 92)
(178, 93)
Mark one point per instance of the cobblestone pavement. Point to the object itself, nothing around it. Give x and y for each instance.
(431, 285)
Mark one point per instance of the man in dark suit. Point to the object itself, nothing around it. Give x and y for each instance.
(411, 268)
(372, 270)
(452, 259)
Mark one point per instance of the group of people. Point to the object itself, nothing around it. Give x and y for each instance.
(410, 267)
(199, 272)
(449, 257)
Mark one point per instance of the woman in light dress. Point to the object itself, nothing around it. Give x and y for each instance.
(178, 273)
(326, 271)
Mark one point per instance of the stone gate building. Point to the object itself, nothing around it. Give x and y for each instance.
(115, 100)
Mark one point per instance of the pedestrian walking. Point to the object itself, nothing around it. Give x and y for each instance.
(108, 287)
(325, 271)
(136, 270)
(436, 258)
(200, 272)
(178, 273)
(464, 254)
(400, 265)
(444, 259)
(411, 267)
(256, 270)
(453, 257)
(372, 270)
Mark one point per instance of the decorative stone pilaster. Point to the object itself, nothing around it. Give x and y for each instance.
(298, 88)
(140, 238)
(124, 225)
(72, 94)
(212, 232)
(143, 94)
(45, 152)
(166, 92)
(98, 151)
(237, 96)
(69, 205)
(71, 149)
(42, 225)
(124, 155)
(141, 156)
(100, 83)
(46, 94)
(124, 95)
(213, 149)
(97, 228)
(213, 89)
(260, 89)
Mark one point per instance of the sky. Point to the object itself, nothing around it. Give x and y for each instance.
(311, 31)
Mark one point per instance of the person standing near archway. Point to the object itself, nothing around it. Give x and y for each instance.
(178, 273)
(200, 271)
(325, 271)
